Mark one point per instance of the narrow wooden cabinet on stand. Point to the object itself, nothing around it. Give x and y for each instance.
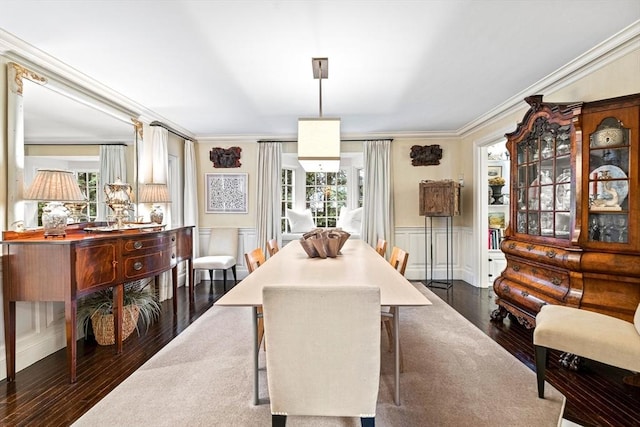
(439, 199)
(574, 231)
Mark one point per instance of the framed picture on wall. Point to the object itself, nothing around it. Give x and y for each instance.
(494, 171)
(226, 193)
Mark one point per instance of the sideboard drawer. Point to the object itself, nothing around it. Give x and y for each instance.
(144, 243)
(138, 267)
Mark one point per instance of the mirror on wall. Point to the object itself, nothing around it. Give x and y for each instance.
(63, 128)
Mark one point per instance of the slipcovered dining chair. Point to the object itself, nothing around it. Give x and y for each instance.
(398, 260)
(221, 254)
(338, 373)
(255, 259)
(272, 247)
(381, 247)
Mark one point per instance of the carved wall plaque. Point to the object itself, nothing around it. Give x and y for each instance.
(225, 157)
(426, 155)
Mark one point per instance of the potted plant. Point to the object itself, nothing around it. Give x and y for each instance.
(97, 310)
(496, 183)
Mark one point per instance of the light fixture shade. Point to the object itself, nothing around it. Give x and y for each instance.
(154, 193)
(54, 185)
(319, 144)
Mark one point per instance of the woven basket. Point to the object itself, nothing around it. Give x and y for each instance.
(103, 325)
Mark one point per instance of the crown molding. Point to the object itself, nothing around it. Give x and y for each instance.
(613, 48)
(23, 53)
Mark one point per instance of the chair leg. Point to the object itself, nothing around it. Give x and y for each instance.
(224, 281)
(211, 284)
(541, 356)
(235, 279)
(368, 421)
(278, 420)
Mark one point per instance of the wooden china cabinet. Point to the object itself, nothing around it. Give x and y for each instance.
(574, 231)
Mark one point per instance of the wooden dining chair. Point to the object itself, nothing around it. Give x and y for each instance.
(398, 260)
(272, 247)
(255, 259)
(381, 247)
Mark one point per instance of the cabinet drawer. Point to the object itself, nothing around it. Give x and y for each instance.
(137, 267)
(538, 278)
(145, 243)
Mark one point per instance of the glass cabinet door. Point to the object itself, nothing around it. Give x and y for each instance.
(543, 182)
(608, 182)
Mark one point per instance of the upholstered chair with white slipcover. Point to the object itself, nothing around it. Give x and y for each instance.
(337, 373)
(221, 254)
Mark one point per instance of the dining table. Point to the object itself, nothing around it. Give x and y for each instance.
(356, 264)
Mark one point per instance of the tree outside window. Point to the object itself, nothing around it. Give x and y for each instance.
(325, 194)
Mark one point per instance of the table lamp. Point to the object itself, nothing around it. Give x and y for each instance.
(155, 193)
(55, 187)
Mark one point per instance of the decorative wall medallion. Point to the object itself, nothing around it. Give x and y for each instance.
(225, 157)
(426, 155)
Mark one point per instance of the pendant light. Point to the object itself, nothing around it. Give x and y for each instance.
(319, 137)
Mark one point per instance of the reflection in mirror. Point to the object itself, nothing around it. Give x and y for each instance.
(64, 128)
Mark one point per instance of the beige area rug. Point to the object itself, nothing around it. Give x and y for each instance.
(454, 376)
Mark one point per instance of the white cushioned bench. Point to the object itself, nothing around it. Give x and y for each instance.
(587, 334)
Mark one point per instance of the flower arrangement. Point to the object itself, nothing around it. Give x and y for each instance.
(496, 180)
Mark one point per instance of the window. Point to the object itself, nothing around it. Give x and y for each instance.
(287, 196)
(88, 182)
(326, 193)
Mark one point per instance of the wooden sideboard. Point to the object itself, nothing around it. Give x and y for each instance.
(64, 269)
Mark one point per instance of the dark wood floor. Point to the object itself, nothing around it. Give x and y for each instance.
(42, 395)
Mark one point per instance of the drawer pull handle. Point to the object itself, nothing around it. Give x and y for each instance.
(173, 256)
(551, 254)
(137, 244)
(173, 238)
(137, 266)
(516, 268)
(556, 281)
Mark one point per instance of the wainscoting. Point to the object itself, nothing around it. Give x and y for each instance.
(412, 239)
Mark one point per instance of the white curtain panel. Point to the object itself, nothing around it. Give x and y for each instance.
(190, 202)
(112, 166)
(377, 215)
(269, 189)
(160, 175)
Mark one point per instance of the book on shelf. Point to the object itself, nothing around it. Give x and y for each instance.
(495, 237)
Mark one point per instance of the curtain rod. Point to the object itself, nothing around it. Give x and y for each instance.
(173, 131)
(342, 140)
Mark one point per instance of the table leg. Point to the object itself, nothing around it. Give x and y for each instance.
(396, 344)
(71, 310)
(118, 302)
(10, 335)
(256, 396)
(174, 283)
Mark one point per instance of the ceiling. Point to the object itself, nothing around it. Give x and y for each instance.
(238, 68)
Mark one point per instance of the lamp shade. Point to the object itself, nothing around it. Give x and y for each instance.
(54, 185)
(154, 193)
(319, 144)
